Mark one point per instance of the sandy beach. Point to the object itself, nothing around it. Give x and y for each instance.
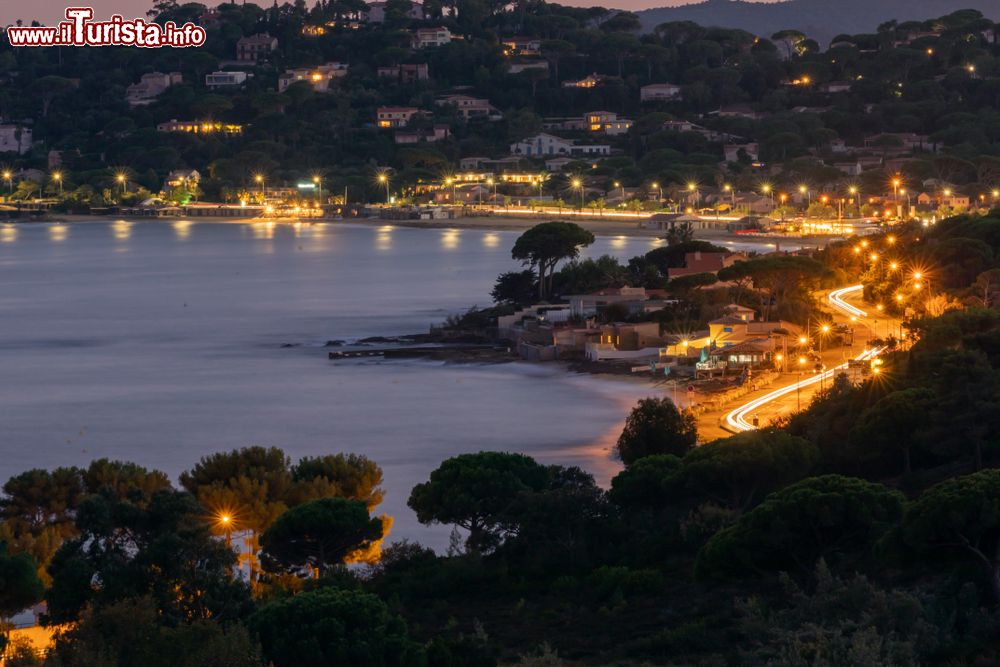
(599, 226)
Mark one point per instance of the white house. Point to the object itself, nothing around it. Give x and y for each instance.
(225, 79)
(659, 92)
(470, 107)
(542, 144)
(606, 122)
(523, 46)
(320, 77)
(395, 116)
(549, 145)
(15, 139)
(427, 37)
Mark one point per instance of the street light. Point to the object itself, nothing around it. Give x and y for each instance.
(659, 192)
(226, 521)
(120, 177)
(803, 189)
(259, 178)
(451, 181)
(383, 177)
(578, 185)
(619, 185)
(57, 177)
(319, 183)
(9, 177)
(768, 190)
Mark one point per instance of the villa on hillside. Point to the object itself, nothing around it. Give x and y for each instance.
(705, 262)
(255, 48)
(549, 145)
(150, 86)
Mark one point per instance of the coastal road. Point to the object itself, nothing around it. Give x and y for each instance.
(788, 398)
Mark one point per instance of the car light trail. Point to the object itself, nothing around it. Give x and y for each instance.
(836, 299)
(737, 419)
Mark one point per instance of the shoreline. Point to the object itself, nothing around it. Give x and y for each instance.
(599, 227)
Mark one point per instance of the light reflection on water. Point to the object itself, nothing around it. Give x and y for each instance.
(182, 229)
(58, 232)
(121, 229)
(170, 346)
(450, 239)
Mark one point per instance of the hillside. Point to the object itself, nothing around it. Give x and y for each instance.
(820, 19)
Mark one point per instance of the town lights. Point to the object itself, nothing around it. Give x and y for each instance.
(382, 176)
(225, 521)
(578, 185)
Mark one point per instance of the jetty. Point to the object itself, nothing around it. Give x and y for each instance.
(464, 350)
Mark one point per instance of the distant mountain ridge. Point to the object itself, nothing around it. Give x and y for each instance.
(820, 19)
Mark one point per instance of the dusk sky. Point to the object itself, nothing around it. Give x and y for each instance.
(51, 11)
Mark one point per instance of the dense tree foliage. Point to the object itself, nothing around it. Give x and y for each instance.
(545, 245)
(831, 517)
(328, 626)
(656, 426)
(474, 491)
(319, 535)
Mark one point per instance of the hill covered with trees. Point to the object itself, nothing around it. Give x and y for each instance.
(819, 19)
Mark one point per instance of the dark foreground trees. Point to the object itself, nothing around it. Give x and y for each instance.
(329, 626)
(838, 519)
(543, 246)
(319, 535)
(959, 519)
(160, 548)
(656, 426)
(474, 491)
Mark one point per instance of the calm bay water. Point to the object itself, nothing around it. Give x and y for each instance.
(160, 342)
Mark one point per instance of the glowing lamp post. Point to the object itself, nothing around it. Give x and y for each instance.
(9, 177)
(57, 177)
(578, 185)
(384, 179)
(226, 521)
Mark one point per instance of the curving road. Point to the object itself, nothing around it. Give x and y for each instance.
(737, 419)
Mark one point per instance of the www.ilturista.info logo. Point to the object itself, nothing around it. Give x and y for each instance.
(79, 30)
